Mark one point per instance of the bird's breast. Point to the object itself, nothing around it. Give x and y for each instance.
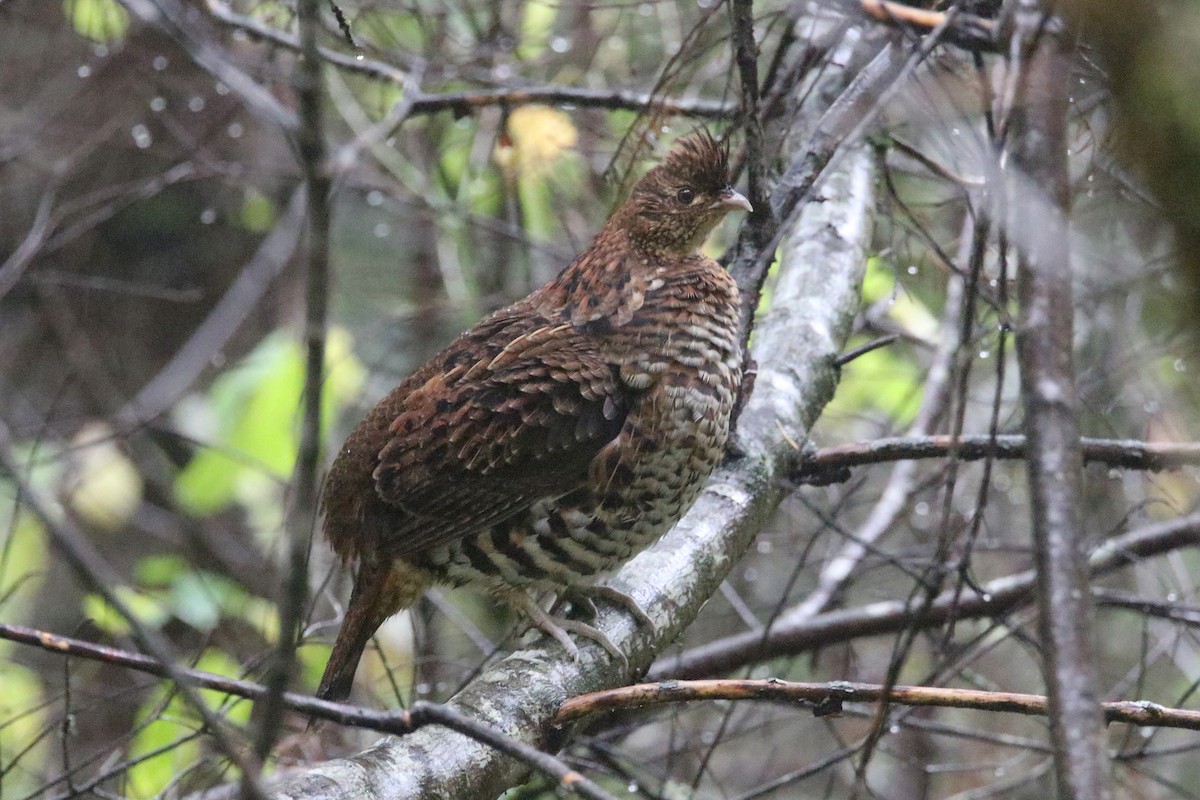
(680, 356)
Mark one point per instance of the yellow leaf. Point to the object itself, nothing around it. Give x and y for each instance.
(540, 136)
(104, 487)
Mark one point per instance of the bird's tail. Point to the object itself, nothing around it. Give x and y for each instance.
(380, 590)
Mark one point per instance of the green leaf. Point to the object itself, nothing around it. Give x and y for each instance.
(207, 484)
(313, 657)
(99, 20)
(23, 566)
(256, 405)
(535, 28)
(146, 609)
(277, 15)
(160, 570)
(879, 280)
(881, 380)
(194, 601)
(258, 212)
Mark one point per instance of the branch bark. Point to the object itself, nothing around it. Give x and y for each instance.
(302, 512)
(1040, 74)
(827, 699)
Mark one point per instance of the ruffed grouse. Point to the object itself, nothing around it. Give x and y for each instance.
(561, 435)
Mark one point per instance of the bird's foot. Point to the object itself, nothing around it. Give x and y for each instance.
(583, 596)
(560, 629)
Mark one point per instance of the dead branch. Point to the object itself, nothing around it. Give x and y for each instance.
(832, 463)
(826, 699)
(797, 631)
(1038, 97)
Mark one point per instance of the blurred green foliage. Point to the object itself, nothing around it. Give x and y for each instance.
(23, 748)
(885, 384)
(23, 718)
(258, 212)
(170, 588)
(252, 411)
(167, 744)
(99, 20)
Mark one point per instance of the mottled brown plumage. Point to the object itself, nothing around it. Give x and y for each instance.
(561, 435)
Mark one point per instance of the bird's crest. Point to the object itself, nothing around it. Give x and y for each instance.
(700, 158)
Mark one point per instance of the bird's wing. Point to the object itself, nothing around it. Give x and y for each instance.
(514, 411)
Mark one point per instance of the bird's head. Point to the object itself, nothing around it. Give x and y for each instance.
(674, 206)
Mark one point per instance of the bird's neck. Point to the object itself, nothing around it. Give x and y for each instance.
(608, 282)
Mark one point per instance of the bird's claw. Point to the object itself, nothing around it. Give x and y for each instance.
(584, 595)
(558, 628)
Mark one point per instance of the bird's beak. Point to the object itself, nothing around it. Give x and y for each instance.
(730, 199)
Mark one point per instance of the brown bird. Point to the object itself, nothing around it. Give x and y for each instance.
(558, 437)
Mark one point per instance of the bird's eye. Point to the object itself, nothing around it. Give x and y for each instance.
(685, 196)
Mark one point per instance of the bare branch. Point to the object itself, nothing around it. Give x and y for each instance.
(302, 513)
(826, 699)
(741, 13)
(170, 17)
(1039, 89)
(466, 102)
(826, 462)
(996, 599)
(796, 633)
(393, 722)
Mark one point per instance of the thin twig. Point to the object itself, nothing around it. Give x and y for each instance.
(860, 351)
(1124, 453)
(465, 102)
(343, 23)
(826, 699)
(302, 514)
